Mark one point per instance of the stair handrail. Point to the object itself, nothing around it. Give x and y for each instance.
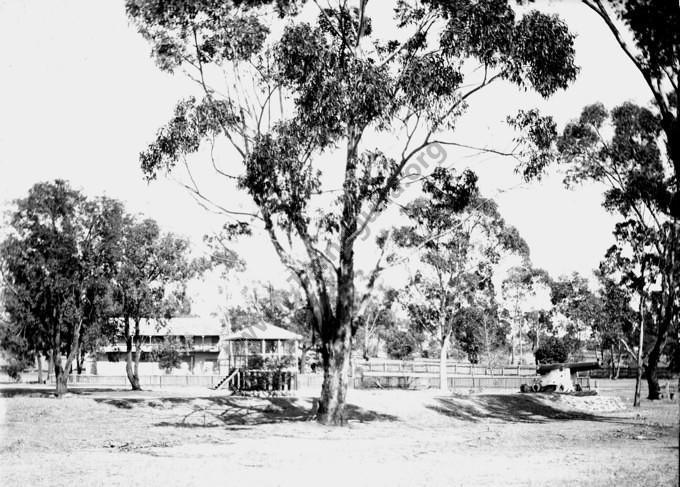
(227, 380)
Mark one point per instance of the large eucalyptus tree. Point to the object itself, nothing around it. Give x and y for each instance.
(295, 87)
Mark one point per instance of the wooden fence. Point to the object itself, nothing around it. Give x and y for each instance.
(145, 380)
(626, 373)
(431, 381)
(431, 366)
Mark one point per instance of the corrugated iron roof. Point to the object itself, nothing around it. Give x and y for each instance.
(181, 326)
(264, 331)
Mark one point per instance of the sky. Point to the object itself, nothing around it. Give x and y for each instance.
(81, 97)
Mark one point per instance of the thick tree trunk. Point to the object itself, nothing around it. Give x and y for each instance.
(133, 378)
(336, 363)
(61, 379)
(664, 323)
(654, 392)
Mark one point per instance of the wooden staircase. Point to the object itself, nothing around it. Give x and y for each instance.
(227, 379)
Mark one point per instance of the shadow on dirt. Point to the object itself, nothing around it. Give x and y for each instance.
(48, 391)
(509, 408)
(235, 411)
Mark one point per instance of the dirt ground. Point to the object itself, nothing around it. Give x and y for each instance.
(195, 436)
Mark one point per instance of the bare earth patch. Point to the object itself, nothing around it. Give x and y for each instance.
(194, 436)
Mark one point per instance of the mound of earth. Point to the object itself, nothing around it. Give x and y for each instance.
(588, 403)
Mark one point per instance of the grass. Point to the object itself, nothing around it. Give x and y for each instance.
(196, 436)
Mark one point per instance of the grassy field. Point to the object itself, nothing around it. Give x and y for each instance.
(195, 436)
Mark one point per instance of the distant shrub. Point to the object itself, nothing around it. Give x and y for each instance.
(168, 354)
(400, 344)
(552, 350)
(15, 368)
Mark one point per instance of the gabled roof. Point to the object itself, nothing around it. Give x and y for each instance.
(181, 326)
(264, 331)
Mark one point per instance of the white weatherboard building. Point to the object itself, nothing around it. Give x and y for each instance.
(206, 347)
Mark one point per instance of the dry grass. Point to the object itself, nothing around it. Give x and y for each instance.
(191, 437)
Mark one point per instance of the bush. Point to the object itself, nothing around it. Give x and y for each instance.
(167, 354)
(553, 350)
(400, 344)
(15, 368)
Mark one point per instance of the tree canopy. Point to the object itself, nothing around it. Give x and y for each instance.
(290, 84)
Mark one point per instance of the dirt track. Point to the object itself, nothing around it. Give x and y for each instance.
(187, 437)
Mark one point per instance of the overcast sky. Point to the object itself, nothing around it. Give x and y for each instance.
(81, 98)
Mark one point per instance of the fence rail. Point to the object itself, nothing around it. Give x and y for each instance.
(431, 366)
(145, 380)
(427, 381)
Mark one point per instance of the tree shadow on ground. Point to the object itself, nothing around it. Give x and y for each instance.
(48, 391)
(236, 411)
(510, 408)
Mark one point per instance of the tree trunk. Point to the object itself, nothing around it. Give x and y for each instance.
(61, 379)
(132, 376)
(443, 378)
(79, 363)
(655, 354)
(486, 340)
(618, 363)
(138, 354)
(654, 392)
(336, 363)
(366, 336)
(638, 375)
(40, 372)
(611, 358)
(50, 366)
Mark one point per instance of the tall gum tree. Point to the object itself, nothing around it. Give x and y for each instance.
(56, 263)
(652, 26)
(458, 236)
(293, 85)
(152, 265)
(621, 149)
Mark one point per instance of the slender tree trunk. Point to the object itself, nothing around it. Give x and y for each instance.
(618, 362)
(303, 361)
(486, 340)
(443, 378)
(40, 371)
(50, 365)
(132, 376)
(79, 362)
(611, 356)
(366, 337)
(638, 375)
(138, 354)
